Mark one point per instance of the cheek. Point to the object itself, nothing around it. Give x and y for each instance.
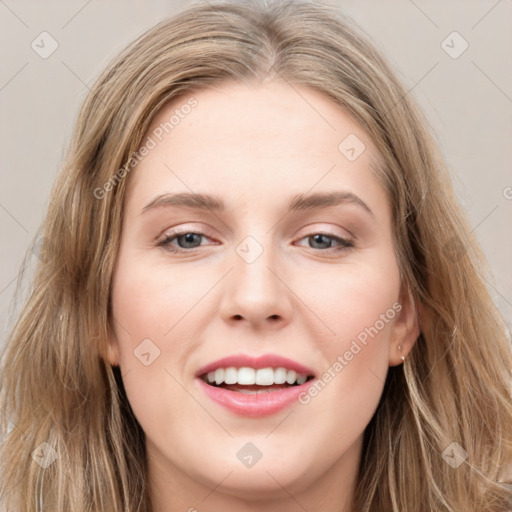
(358, 307)
(149, 300)
(149, 306)
(352, 302)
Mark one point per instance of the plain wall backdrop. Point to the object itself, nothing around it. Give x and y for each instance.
(454, 57)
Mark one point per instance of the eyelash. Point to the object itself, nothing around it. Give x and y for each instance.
(166, 242)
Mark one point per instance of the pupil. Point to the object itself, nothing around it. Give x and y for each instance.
(189, 239)
(318, 238)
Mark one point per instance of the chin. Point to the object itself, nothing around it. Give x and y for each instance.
(265, 478)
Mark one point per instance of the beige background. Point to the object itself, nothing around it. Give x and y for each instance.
(468, 100)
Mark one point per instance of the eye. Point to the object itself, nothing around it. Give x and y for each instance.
(324, 240)
(186, 240)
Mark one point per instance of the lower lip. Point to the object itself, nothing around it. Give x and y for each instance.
(254, 405)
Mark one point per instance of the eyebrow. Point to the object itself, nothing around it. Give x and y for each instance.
(298, 202)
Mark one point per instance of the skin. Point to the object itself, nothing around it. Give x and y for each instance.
(256, 147)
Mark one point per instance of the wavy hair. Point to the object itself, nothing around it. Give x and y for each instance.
(58, 389)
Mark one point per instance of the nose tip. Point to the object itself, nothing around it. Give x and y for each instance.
(253, 291)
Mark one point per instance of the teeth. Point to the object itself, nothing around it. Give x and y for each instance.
(291, 377)
(265, 377)
(249, 376)
(280, 375)
(219, 376)
(301, 379)
(231, 376)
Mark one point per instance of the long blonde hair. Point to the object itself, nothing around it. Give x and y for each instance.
(69, 438)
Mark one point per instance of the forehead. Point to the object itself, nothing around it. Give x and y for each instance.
(255, 141)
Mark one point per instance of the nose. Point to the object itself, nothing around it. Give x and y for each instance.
(256, 291)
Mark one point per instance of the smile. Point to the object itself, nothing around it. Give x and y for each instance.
(245, 376)
(262, 388)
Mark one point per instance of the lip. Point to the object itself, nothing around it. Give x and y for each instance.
(256, 405)
(264, 361)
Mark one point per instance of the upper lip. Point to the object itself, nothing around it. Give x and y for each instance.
(263, 361)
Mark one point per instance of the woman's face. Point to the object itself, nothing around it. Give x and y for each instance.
(316, 283)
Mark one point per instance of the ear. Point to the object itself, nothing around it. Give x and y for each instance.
(112, 348)
(405, 328)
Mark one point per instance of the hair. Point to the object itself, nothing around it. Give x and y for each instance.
(56, 384)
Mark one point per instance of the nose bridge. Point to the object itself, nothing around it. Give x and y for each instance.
(254, 290)
(255, 256)
(255, 249)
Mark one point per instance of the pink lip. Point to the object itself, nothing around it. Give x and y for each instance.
(254, 406)
(264, 361)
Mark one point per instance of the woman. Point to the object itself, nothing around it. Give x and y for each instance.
(330, 346)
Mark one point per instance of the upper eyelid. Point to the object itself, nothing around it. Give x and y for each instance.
(178, 229)
(171, 232)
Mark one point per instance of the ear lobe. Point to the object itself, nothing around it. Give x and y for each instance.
(406, 328)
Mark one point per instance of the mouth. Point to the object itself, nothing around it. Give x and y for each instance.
(254, 391)
(255, 381)
(254, 386)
